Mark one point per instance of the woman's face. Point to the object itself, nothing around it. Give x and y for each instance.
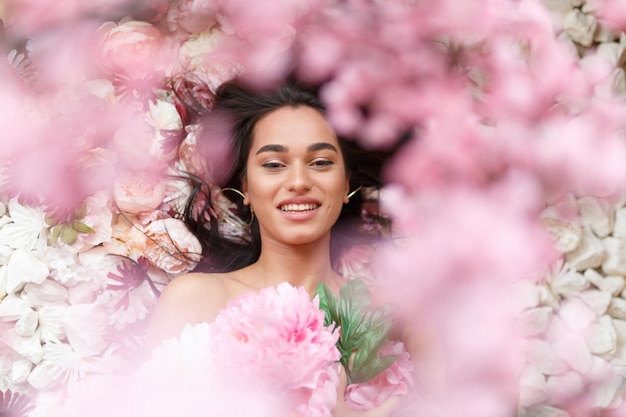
(296, 179)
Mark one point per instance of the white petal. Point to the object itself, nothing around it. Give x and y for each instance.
(619, 357)
(24, 267)
(597, 215)
(5, 254)
(29, 347)
(533, 387)
(83, 293)
(48, 292)
(45, 375)
(617, 308)
(614, 262)
(535, 321)
(597, 300)
(20, 371)
(541, 356)
(27, 324)
(573, 349)
(26, 230)
(569, 283)
(51, 322)
(83, 325)
(613, 284)
(13, 307)
(565, 386)
(602, 337)
(576, 315)
(3, 281)
(588, 254)
(580, 27)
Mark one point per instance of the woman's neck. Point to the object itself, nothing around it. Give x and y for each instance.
(300, 265)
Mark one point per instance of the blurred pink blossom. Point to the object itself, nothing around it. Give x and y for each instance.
(132, 49)
(194, 16)
(28, 17)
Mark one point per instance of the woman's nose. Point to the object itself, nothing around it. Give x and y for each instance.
(298, 178)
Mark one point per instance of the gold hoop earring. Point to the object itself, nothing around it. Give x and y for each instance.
(352, 193)
(242, 195)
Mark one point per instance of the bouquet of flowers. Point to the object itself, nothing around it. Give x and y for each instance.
(267, 353)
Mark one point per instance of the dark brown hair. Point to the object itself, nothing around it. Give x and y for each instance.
(241, 107)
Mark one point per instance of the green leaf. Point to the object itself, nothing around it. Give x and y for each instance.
(81, 227)
(328, 304)
(371, 369)
(354, 300)
(363, 330)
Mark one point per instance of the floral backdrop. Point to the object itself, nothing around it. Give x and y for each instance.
(512, 178)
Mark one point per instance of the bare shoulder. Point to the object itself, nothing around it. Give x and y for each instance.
(187, 299)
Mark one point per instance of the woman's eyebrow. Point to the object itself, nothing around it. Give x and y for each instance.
(272, 148)
(318, 146)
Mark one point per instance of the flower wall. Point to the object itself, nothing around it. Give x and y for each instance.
(510, 106)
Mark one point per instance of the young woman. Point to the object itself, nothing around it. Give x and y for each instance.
(297, 183)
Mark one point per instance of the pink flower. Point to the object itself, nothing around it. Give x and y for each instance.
(194, 16)
(138, 192)
(358, 262)
(132, 49)
(170, 246)
(278, 336)
(395, 380)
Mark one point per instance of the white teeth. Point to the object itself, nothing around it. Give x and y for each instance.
(298, 207)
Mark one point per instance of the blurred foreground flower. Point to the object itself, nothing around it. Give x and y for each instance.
(14, 404)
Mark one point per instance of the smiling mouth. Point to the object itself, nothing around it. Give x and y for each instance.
(296, 208)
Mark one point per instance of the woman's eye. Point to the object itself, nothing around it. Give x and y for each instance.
(322, 162)
(272, 165)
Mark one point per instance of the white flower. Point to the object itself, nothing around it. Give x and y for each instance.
(7, 358)
(51, 322)
(62, 264)
(24, 267)
(28, 347)
(27, 230)
(96, 263)
(65, 362)
(128, 306)
(12, 308)
(20, 370)
(163, 115)
(3, 281)
(84, 326)
(5, 254)
(48, 292)
(27, 324)
(61, 363)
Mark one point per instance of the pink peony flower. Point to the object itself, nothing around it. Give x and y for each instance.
(131, 48)
(395, 380)
(138, 192)
(278, 337)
